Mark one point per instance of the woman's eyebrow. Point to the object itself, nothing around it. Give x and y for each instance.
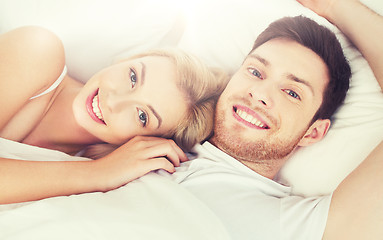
(143, 69)
(155, 113)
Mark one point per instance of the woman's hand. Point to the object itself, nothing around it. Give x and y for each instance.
(136, 158)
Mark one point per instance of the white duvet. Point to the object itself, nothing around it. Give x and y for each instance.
(152, 207)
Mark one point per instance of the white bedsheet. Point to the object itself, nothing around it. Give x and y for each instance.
(152, 207)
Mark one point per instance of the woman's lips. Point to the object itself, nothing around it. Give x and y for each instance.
(93, 107)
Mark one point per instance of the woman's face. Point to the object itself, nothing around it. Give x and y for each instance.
(135, 97)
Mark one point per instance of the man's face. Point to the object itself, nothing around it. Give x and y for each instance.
(267, 107)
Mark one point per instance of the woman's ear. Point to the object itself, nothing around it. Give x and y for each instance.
(316, 132)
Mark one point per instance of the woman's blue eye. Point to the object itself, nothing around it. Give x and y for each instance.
(292, 94)
(133, 77)
(256, 73)
(142, 117)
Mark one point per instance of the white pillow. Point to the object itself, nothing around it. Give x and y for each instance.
(222, 32)
(94, 32)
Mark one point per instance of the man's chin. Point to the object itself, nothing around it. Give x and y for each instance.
(256, 150)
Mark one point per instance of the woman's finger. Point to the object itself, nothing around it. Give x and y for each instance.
(158, 163)
(180, 152)
(164, 149)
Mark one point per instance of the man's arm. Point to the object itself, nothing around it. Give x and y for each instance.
(359, 23)
(356, 210)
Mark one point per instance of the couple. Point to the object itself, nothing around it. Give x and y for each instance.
(281, 82)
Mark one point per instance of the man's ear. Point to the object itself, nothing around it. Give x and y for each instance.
(316, 132)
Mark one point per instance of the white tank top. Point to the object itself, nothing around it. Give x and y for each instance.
(54, 85)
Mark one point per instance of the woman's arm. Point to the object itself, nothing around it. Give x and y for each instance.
(356, 208)
(22, 181)
(31, 59)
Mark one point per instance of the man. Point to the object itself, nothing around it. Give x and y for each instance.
(281, 99)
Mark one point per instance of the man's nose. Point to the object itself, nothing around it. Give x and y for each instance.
(262, 94)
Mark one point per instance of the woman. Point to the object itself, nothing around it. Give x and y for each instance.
(165, 94)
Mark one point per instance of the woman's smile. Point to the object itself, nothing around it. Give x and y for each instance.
(93, 107)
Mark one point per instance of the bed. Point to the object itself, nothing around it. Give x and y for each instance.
(96, 33)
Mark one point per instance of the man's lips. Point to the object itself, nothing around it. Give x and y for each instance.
(93, 107)
(249, 117)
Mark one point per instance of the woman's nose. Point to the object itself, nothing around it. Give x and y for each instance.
(117, 100)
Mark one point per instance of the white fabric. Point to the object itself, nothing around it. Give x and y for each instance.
(152, 207)
(20, 151)
(250, 205)
(54, 85)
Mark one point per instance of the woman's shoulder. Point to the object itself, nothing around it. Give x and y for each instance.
(31, 60)
(32, 57)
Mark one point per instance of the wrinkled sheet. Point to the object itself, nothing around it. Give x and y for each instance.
(152, 207)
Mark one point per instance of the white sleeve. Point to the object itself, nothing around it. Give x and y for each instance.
(304, 218)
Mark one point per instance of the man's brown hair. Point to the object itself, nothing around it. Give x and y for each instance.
(325, 44)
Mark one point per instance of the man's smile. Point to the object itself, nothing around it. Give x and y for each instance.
(249, 118)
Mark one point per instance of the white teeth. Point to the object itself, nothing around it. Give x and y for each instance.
(249, 118)
(96, 109)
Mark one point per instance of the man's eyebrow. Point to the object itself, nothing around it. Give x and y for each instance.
(289, 76)
(259, 58)
(302, 81)
(159, 119)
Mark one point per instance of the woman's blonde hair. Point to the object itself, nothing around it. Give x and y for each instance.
(201, 86)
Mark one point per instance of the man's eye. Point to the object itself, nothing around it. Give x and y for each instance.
(133, 77)
(142, 117)
(292, 94)
(256, 73)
